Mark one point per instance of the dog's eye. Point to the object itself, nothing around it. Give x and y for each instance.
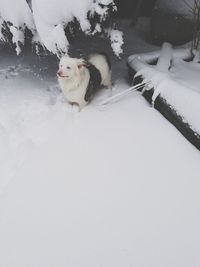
(68, 68)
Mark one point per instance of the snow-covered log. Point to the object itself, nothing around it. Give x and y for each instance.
(152, 57)
(171, 92)
(164, 60)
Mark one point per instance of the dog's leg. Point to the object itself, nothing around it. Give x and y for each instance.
(82, 105)
(75, 108)
(107, 83)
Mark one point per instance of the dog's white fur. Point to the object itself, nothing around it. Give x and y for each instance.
(73, 77)
(100, 62)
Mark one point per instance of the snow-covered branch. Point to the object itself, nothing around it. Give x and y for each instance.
(15, 16)
(47, 21)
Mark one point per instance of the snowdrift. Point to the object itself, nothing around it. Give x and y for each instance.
(172, 86)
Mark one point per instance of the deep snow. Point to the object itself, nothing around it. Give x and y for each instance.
(113, 187)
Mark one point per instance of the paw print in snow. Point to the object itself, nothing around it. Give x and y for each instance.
(12, 71)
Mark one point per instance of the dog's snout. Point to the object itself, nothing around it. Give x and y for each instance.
(59, 72)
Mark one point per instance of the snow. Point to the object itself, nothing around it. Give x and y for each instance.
(117, 42)
(18, 38)
(18, 15)
(164, 61)
(48, 14)
(113, 187)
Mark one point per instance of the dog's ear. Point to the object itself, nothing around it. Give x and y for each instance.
(81, 64)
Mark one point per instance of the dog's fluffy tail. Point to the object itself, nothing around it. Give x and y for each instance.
(102, 63)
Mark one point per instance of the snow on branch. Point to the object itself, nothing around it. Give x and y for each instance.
(15, 16)
(47, 21)
(117, 41)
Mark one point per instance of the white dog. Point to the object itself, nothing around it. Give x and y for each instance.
(80, 79)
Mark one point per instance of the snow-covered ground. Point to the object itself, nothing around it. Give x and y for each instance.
(109, 188)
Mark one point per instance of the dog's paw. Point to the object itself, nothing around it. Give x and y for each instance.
(75, 108)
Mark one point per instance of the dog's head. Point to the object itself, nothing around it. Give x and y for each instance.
(70, 67)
